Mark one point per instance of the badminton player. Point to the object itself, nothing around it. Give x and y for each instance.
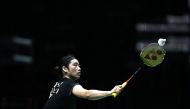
(65, 91)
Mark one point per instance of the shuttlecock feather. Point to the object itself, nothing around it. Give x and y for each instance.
(161, 42)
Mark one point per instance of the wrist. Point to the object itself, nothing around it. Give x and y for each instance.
(110, 93)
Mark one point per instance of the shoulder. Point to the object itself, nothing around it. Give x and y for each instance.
(77, 86)
(78, 89)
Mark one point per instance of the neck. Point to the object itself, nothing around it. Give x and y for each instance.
(66, 76)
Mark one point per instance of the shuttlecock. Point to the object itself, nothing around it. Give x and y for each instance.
(161, 42)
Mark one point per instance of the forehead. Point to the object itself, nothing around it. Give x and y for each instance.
(74, 61)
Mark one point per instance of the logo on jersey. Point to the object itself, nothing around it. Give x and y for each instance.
(55, 89)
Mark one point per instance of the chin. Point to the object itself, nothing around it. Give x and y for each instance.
(78, 77)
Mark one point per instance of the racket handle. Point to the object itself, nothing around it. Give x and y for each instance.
(122, 86)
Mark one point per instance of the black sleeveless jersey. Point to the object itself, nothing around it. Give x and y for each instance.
(61, 96)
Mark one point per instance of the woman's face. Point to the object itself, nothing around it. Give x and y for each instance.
(73, 71)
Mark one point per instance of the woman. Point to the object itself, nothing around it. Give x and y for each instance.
(64, 93)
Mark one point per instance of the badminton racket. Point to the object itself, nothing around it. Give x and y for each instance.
(151, 55)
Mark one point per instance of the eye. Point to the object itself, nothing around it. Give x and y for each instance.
(76, 64)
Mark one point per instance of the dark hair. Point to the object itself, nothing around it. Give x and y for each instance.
(64, 61)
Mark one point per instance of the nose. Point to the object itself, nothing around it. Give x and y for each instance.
(79, 68)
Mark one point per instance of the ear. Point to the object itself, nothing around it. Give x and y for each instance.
(65, 69)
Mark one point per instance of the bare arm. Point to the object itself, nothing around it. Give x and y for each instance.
(94, 94)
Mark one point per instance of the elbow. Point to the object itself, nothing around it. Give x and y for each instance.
(88, 95)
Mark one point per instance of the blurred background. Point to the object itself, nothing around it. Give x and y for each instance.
(106, 37)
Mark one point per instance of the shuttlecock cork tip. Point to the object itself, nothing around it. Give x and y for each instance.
(161, 41)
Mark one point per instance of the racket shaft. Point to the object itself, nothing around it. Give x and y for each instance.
(125, 83)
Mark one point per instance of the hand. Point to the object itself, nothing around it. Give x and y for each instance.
(117, 89)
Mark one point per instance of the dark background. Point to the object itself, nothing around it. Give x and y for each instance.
(102, 35)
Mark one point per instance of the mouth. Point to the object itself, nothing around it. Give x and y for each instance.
(79, 73)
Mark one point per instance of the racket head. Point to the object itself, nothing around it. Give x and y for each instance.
(152, 54)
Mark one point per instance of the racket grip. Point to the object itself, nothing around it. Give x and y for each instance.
(122, 86)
